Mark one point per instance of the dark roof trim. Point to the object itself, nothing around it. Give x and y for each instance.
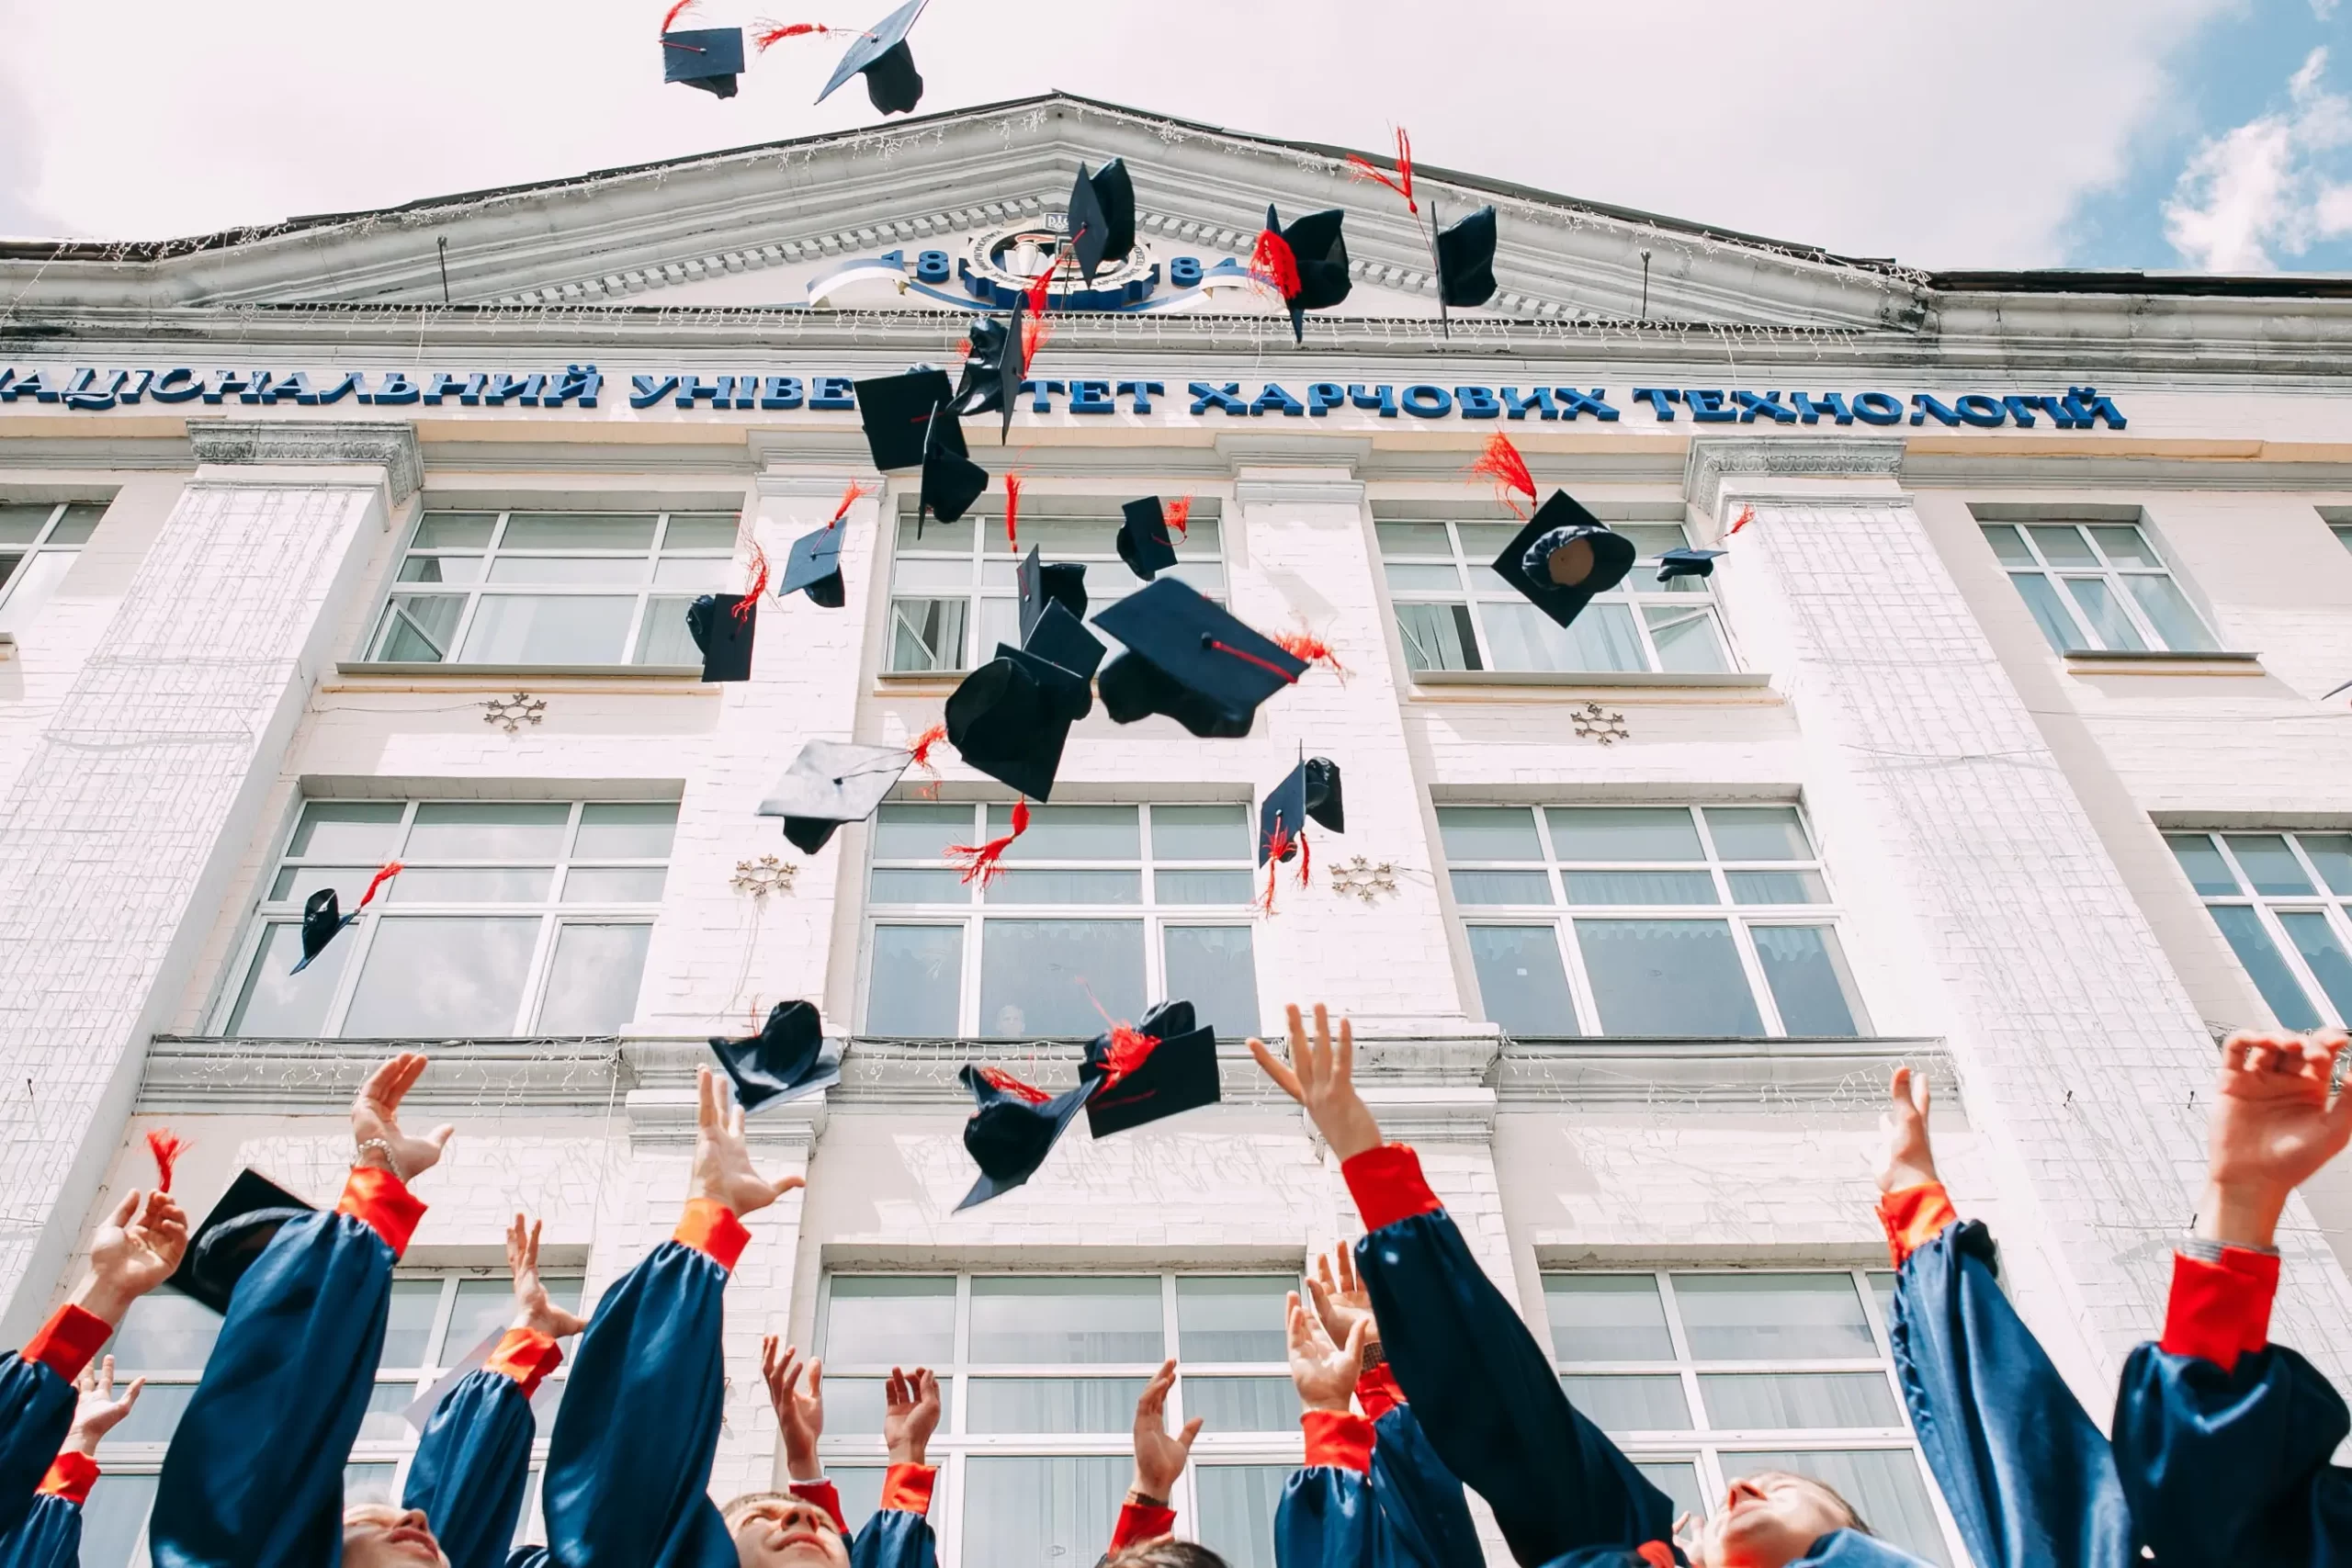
(2061, 280)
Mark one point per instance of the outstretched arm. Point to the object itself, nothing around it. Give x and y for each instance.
(1327, 1517)
(50, 1535)
(1160, 1458)
(900, 1535)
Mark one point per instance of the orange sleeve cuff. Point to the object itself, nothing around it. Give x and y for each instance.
(1388, 1186)
(1341, 1439)
(1378, 1391)
(528, 1356)
(1139, 1523)
(2220, 1311)
(1913, 1216)
(71, 1476)
(826, 1496)
(68, 1340)
(382, 1202)
(711, 1228)
(906, 1488)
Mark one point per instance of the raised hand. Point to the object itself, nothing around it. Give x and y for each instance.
(910, 1414)
(135, 1249)
(1342, 1302)
(98, 1412)
(2274, 1126)
(800, 1411)
(1323, 1079)
(1159, 1458)
(1908, 1159)
(723, 1169)
(533, 1308)
(1324, 1373)
(376, 1125)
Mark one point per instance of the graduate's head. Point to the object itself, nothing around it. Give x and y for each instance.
(1165, 1552)
(776, 1530)
(377, 1535)
(1769, 1518)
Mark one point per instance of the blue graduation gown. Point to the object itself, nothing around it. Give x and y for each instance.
(48, 1536)
(36, 1409)
(1405, 1511)
(472, 1468)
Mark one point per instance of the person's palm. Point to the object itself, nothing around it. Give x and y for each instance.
(1161, 1455)
(723, 1169)
(375, 1117)
(910, 1414)
(139, 1245)
(1906, 1156)
(1341, 1300)
(2273, 1125)
(1324, 1373)
(533, 1305)
(97, 1412)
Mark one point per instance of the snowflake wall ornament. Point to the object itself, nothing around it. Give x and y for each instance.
(1595, 723)
(1366, 881)
(513, 712)
(764, 875)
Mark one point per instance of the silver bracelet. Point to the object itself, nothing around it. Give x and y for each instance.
(367, 1144)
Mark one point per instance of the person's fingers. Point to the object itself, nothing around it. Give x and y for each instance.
(1302, 1060)
(1923, 1090)
(120, 1218)
(1345, 1071)
(2235, 1049)
(131, 1394)
(930, 1386)
(106, 1377)
(815, 1378)
(1898, 1089)
(86, 1380)
(1348, 1279)
(785, 1184)
(894, 1387)
(1316, 1289)
(767, 1357)
(439, 1137)
(1284, 1078)
(532, 1250)
(1192, 1429)
(380, 1082)
(1323, 1272)
(1354, 1347)
(735, 1121)
(1322, 1044)
(1293, 1320)
(788, 1375)
(702, 1099)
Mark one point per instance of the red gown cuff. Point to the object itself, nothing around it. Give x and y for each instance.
(382, 1202)
(2220, 1311)
(826, 1496)
(1388, 1186)
(1378, 1391)
(1913, 1216)
(71, 1476)
(1341, 1439)
(711, 1228)
(528, 1356)
(906, 1488)
(68, 1340)
(1140, 1523)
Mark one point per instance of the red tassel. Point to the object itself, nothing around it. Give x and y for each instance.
(384, 873)
(1036, 331)
(1271, 262)
(850, 497)
(920, 749)
(1502, 463)
(1129, 1050)
(775, 34)
(167, 1146)
(750, 600)
(1402, 183)
(1305, 859)
(1278, 845)
(1006, 1083)
(1747, 515)
(671, 18)
(1265, 665)
(1040, 289)
(1011, 512)
(1179, 513)
(1312, 648)
(980, 860)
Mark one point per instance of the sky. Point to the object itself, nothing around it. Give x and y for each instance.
(2208, 135)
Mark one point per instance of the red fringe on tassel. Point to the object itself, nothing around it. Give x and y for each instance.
(1402, 182)
(750, 600)
(980, 860)
(850, 497)
(1040, 289)
(1278, 845)
(1011, 512)
(384, 873)
(1006, 1083)
(1305, 859)
(920, 749)
(1036, 331)
(1266, 664)
(1502, 463)
(167, 1146)
(1129, 1050)
(671, 17)
(1747, 515)
(778, 34)
(1312, 648)
(1179, 515)
(1272, 264)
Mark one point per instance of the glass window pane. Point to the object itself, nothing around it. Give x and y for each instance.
(569, 569)
(2332, 854)
(1624, 833)
(1748, 1402)
(441, 569)
(1522, 981)
(891, 1320)
(490, 830)
(157, 1414)
(1215, 969)
(663, 638)
(920, 832)
(1488, 833)
(33, 585)
(1688, 642)
(1603, 637)
(1501, 887)
(165, 1329)
(1437, 636)
(1066, 1321)
(854, 1407)
(381, 1422)
(1052, 1405)
(1058, 978)
(407, 1327)
(1233, 1318)
(1606, 1317)
(1242, 1405)
(592, 984)
(81, 520)
(559, 531)
(1521, 638)
(627, 831)
(2178, 626)
(347, 829)
(702, 531)
(1811, 984)
(470, 884)
(1200, 832)
(296, 883)
(367, 1484)
(614, 885)
(1678, 1479)
(1883, 1486)
(1424, 578)
(2124, 545)
(1413, 539)
(112, 1518)
(483, 1307)
(2208, 871)
(2268, 862)
(2062, 545)
(953, 578)
(927, 633)
(2050, 612)
(277, 1003)
(1040, 1510)
(455, 530)
(2103, 613)
(935, 538)
(1072, 832)
(2251, 943)
(1674, 977)
(905, 886)
(1778, 888)
(418, 628)
(1065, 888)
(21, 522)
(1237, 1505)
(549, 628)
(2006, 546)
(451, 977)
(1757, 1318)
(2323, 953)
(704, 574)
(917, 982)
(1630, 1403)
(1640, 887)
(1758, 832)
(1204, 886)
(1881, 1284)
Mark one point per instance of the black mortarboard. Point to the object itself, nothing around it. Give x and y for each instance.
(1595, 558)
(1101, 217)
(1465, 260)
(881, 52)
(232, 1236)
(951, 481)
(1014, 1128)
(787, 1059)
(1687, 563)
(1144, 544)
(709, 57)
(1062, 583)
(990, 381)
(1309, 792)
(1180, 1074)
(1062, 639)
(322, 919)
(898, 413)
(1009, 720)
(1221, 668)
(830, 783)
(815, 566)
(724, 637)
(1321, 252)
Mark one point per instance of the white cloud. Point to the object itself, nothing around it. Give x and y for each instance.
(2323, 9)
(2262, 189)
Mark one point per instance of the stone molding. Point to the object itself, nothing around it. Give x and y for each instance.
(386, 443)
(1715, 460)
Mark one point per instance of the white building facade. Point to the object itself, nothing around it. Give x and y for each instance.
(1999, 742)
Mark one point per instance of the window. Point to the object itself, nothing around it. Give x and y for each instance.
(953, 597)
(1689, 922)
(1641, 623)
(37, 543)
(437, 1319)
(512, 916)
(2280, 900)
(2098, 587)
(2343, 531)
(1704, 1378)
(1085, 921)
(553, 586)
(1038, 1375)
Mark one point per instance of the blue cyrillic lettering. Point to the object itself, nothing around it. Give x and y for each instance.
(1922, 405)
(1573, 403)
(647, 390)
(1878, 408)
(1706, 405)
(1539, 400)
(1658, 398)
(1810, 409)
(1092, 397)
(580, 381)
(781, 392)
(1143, 392)
(1477, 403)
(1425, 401)
(1768, 403)
(1275, 399)
(1229, 400)
(178, 385)
(831, 393)
(1383, 398)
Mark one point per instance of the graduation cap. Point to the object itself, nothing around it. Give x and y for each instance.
(1161, 1068)
(1465, 260)
(1563, 557)
(1188, 659)
(1011, 718)
(722, 625)
(1144, 543)
(232, 1236)
(815, 566)
(1310, 793)
(881, 54)
(1061, 582)
(1307, 262)
(990, 381)
(951, 481)
(709, 57)
(1014, 1128)
(323, 918)
(831, 783)
(1061, 639)
(1687, 563)
(787, 1059)
(1101, 217)
(899, 411)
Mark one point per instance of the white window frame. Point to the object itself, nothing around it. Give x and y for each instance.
(2109, 570)
(29, 584)
(2268, 906)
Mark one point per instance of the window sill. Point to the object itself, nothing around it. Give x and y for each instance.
(1489, 685)
(525, 671)
(1642, 1069)
(897, 682)
(2095, 661)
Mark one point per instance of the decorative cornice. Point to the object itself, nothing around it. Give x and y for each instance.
(209, 1075)
(381, 443)
(1715, 459)
(1847, 1072)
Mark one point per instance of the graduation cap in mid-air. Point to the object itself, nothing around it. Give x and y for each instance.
(1011, 718)
(787, 1059)
(1188, 659)
(1309, 792)
(322, 916)
(1563, 557)
(722, 625)
(1686, 562)
(1307, 263)
(1144, 543)
(231, 1238)
(831, 783)
(815, 568)
(1163, 1066)
(1465, 260)
(990, 381)
(1043, 584)
(899, 411)
(709, 57)
(881, 55)
(1101, 217)
(1014, 1128)
(951, 481)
